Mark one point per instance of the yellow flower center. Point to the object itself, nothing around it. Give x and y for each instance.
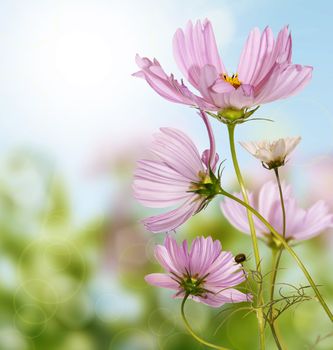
(233, 80)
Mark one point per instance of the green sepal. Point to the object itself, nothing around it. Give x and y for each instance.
(208, 188)
(232, 115)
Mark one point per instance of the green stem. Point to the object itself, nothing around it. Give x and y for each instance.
(190, 330)
(283, 208)
(260, 313)
(231, 130)
(287, 247)
(275, 336)
(276, 261)
(277, 257)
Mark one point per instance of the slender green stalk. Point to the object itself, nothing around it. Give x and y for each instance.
(260, 313)
(231, 130)
(275, 336)
(283, 208)
(287, 247)
(277, 257)
(276, 260)
(273, 276)
(190, 330)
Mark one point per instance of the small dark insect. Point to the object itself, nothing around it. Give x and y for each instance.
(239, 258)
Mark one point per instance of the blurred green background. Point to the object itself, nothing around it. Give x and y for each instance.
(69, 286)
(73, 122)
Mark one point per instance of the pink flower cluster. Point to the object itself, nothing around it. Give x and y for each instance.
(182, 181)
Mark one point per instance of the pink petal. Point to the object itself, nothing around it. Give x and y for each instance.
(167, 86)
(285, 81)
(236, 214)
(163, 257)
(195, 48)
(224, 272)
(156, 197)
(208, 77)
(205, 157)
(161, 280)
(171, 220)
(203, 253)
(222, 87)
(179, 255)
(177, 150)
(261, 55)
(317, 219)
(158, 186)
(249, 57)
(158, 172)
(229, 295)
(238, 98)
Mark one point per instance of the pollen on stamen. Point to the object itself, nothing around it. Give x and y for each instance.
(233, 80)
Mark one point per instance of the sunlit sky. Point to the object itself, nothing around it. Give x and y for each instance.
(67, 90)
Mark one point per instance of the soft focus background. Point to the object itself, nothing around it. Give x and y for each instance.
(73, 122)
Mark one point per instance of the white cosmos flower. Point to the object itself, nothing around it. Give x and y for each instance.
(272, 154)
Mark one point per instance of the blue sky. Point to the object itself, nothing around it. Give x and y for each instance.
(66, 85)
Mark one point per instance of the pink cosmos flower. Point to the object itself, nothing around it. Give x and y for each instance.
(178, 175)
(205, 273)
(265, 72)
(301, 224)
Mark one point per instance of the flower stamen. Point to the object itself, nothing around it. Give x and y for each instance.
(233, 80)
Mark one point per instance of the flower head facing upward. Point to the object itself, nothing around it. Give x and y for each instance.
(265, 72)
(272, 154)
(205, 273)
(301, 224)
(178, 176)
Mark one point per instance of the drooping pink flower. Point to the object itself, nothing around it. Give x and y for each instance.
(265, 72)
(178, 176)
(301, 224)
(205, 273)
